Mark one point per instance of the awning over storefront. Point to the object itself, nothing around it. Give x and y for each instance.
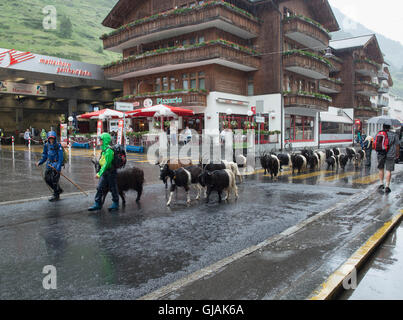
(328, 117)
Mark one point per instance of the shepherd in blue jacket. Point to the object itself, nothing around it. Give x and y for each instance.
(53, 156)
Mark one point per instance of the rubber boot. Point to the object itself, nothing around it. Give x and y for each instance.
(97, 206)
(54, 198)
(114, 207)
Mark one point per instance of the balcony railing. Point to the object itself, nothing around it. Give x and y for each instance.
(367, 89)
(177, 98)
(383, 102)
(383, 90)
(306, 32)
(365, 112)
(366, 68)
(304, 101)
(330, 86)
(213, 52)
(173, 23)
(306, 64)
(383, 75)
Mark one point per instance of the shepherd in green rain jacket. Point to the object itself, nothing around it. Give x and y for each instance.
(107, 175)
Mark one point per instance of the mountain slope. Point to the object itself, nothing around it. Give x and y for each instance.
(77, 34)
(393, 50)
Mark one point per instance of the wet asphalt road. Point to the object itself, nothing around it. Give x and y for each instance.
(146, 246)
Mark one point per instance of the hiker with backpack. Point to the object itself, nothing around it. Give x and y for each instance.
(385, 144)
(107, 175)
(54, 156)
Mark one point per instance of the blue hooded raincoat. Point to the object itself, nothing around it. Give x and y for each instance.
(52, 153)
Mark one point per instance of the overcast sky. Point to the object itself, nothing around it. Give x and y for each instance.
(381, 16)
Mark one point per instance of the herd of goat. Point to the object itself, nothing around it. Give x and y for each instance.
(309, 159)
(222, 177)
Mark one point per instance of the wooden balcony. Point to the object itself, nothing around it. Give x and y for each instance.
(365, 112)
(366, 68)
(295, 100)
(330, 86)
(180, 58)
(177, 99)
(383, 75)
(366, 89)
(306, 33)
(175, 23)
(305, 65)
(337, 64)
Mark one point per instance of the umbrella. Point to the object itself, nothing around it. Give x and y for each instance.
(161, 111)
(102, 114)
(385, 120)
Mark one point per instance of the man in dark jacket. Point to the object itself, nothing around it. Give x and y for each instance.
(107, 175)
(53, 156)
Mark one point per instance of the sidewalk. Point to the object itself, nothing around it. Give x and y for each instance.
(382, 276)
(295, 263)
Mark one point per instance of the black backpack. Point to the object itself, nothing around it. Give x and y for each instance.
(120, 158)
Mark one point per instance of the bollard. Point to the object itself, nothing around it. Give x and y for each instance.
(29, 144)
(95, 147)
(12, 143)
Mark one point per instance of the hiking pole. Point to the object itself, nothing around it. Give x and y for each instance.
(77, 186)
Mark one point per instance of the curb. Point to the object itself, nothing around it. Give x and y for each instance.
(334, 283)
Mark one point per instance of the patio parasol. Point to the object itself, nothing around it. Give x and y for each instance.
(101, 115)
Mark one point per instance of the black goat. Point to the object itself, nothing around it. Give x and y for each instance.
(271, 164)
(219, 180)
(183, 177)
(299, 162)
(127, 179)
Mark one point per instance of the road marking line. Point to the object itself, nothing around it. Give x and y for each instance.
(339, 176)
(367, 179)
(42, 198)
(193, 277)
(313, 174)
(334, 282)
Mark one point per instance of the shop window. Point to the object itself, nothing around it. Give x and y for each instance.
(165, 84)
(185, 82)
(193, 81)
(299, 128)
(201, 39)
(251, 86)
(202, 81)
(172, 83)
(157, 85)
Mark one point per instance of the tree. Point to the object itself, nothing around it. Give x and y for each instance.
(66, 28)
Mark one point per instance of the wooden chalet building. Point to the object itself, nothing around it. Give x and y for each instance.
(221, 58)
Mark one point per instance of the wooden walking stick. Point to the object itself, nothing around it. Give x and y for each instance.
(77, 186)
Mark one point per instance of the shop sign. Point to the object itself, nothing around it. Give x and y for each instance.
(169, 101)
(99, 131)
(63, 134)
(148, 103)
(124, 106)
(120, 132)
(27, 61)
(234, 102)
(260, 120)
(23, 88)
